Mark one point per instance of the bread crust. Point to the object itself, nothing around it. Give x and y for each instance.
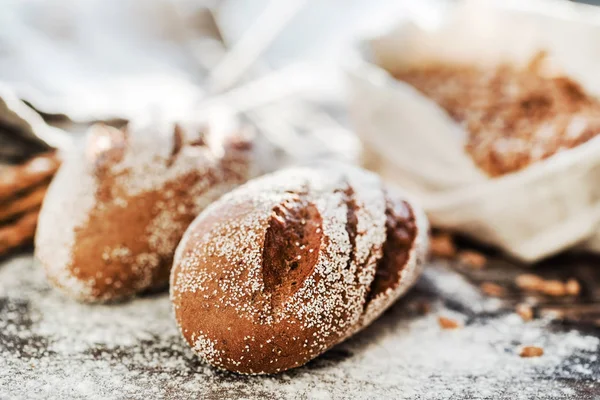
(290, 264)
(514, 117)
(119, 205)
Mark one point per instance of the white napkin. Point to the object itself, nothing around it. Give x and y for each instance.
(546, 208)
(106, 59)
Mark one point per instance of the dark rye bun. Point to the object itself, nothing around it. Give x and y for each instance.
(120, 203)
(288, 265)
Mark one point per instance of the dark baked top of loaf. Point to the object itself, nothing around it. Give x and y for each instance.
(513, 116)
(286, 266)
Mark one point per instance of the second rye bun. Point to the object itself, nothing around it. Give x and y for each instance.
(288, 265)
(120, 203)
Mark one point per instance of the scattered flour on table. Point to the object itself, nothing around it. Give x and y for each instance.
(52, 347)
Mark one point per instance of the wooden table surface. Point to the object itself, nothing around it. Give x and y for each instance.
(53, 347)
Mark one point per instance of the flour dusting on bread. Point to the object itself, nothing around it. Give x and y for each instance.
(117, 210)
(280, 269)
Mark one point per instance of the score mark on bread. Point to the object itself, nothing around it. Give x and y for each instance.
(291, 247)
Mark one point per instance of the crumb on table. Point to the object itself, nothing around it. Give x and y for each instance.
(448, 323)
(442, 245)
(531, 351)
(492, 289)
(525, 311)
(572, 287)
(529, 282)
(551, 287)
(554, 288)
(472, 259)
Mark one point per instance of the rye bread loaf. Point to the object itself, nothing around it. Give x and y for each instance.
(119, 205)
(288, 265)
(513, 117)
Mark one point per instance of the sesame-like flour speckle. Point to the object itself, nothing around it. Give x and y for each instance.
(53, 347)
